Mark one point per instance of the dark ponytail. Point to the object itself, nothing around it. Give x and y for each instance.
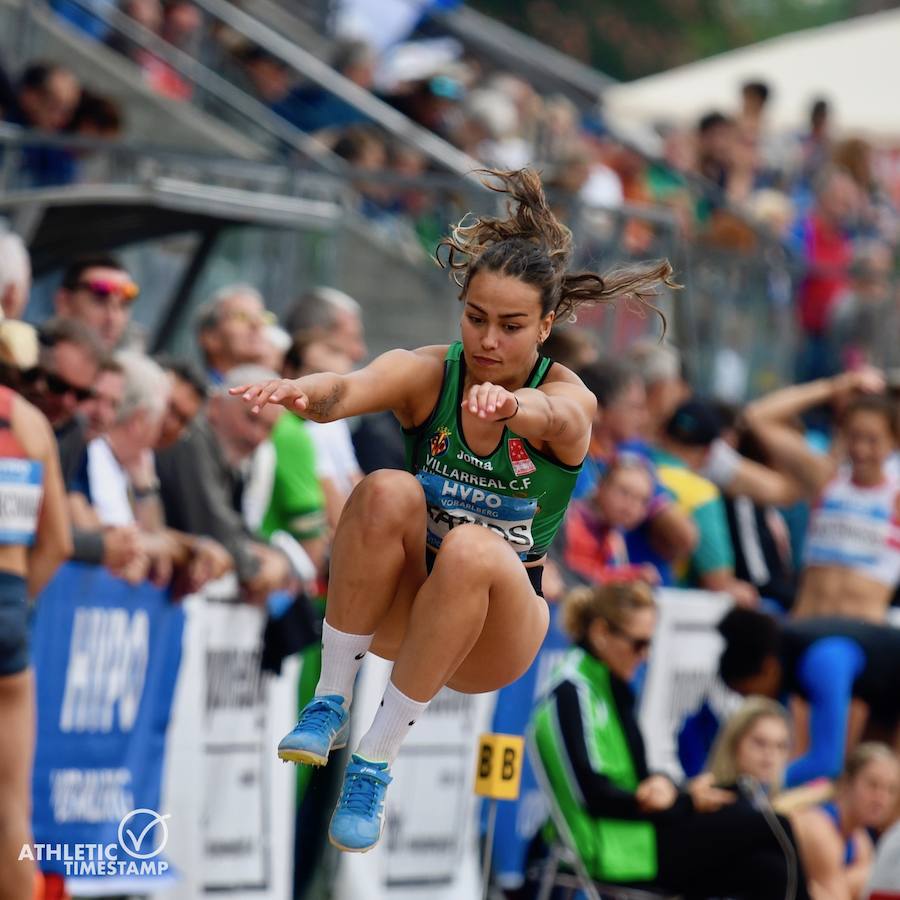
(533, 245)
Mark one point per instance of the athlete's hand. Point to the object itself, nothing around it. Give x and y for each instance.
(490, 402)
(284, 392)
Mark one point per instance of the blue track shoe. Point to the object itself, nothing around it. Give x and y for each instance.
(323, 726)
(358, 820)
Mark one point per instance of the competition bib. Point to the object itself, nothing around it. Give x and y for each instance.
(450, 503)
(20, 499)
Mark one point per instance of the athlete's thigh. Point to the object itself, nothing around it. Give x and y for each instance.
(16, 738)
(515, 627)
(392, 629)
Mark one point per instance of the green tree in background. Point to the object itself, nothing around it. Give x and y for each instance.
(631, 38)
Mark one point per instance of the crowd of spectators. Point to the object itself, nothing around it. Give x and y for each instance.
(820, 207)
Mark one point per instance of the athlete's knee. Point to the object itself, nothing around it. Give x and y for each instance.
(388, 499)
(470, 550)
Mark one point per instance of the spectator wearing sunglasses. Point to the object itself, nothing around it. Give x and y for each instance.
(187, 399)
(61, 385)
(98, 292)
(632, 826)
(231, 330)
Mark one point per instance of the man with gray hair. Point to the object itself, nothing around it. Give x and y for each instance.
(334, 313)
(659, 365)
(231, 329)
(120, 463)
(15, 275)
(202, 480)
(121, 472)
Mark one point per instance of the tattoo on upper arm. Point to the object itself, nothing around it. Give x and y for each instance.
(324, 405)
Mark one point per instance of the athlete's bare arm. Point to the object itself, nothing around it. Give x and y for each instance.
(406, 382)
(556, 416)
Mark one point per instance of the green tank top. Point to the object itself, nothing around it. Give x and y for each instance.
(516, 491)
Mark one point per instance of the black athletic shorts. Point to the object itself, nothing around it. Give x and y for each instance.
(13, 624)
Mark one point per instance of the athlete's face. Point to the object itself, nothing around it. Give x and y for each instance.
(872, 794)
(502, 327)
(763, 751)
(869, 444)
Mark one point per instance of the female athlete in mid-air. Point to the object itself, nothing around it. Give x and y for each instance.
(439, 568)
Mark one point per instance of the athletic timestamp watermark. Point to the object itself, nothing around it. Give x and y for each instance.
(142, 837)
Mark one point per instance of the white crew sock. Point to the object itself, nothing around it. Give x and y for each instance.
(396, 715)
(342, 655)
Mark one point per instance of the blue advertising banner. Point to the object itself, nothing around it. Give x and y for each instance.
(518, 821)
(106, 657)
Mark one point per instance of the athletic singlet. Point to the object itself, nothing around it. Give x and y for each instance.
(857, 528)
(515, 491)
(849, 844)
(21, 482)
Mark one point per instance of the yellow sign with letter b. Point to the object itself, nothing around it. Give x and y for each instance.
(499, 769)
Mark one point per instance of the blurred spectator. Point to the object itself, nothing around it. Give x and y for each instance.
(435, 104)
(660, 368)
(364, 148)
(336, 464)
(15, 276)
(631, 826)
(120, 463)
(822, 242)
(827, 662)
(231, 329)
(851, 562)
(46, 100)
(755, 741)
(63, 381)
(681, 453)
(202, 479)
(877, 217)
(835, 839)
(494, 134)
(123, 484)
(666, 532)
(98, 292)
(334, 312)
(715, 141)
(61, 385)
(312, 108)
(270, 79)
(294, 478)
(96, 116)
(815, 146)
(176, 23)
(754, 97)
(572, 347)
(189, 390)
(593, 542)
(101, 410)
(277, 343)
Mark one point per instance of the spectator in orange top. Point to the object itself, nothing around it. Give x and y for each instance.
(593, 540)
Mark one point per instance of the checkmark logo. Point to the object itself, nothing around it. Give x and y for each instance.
(135, 829)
